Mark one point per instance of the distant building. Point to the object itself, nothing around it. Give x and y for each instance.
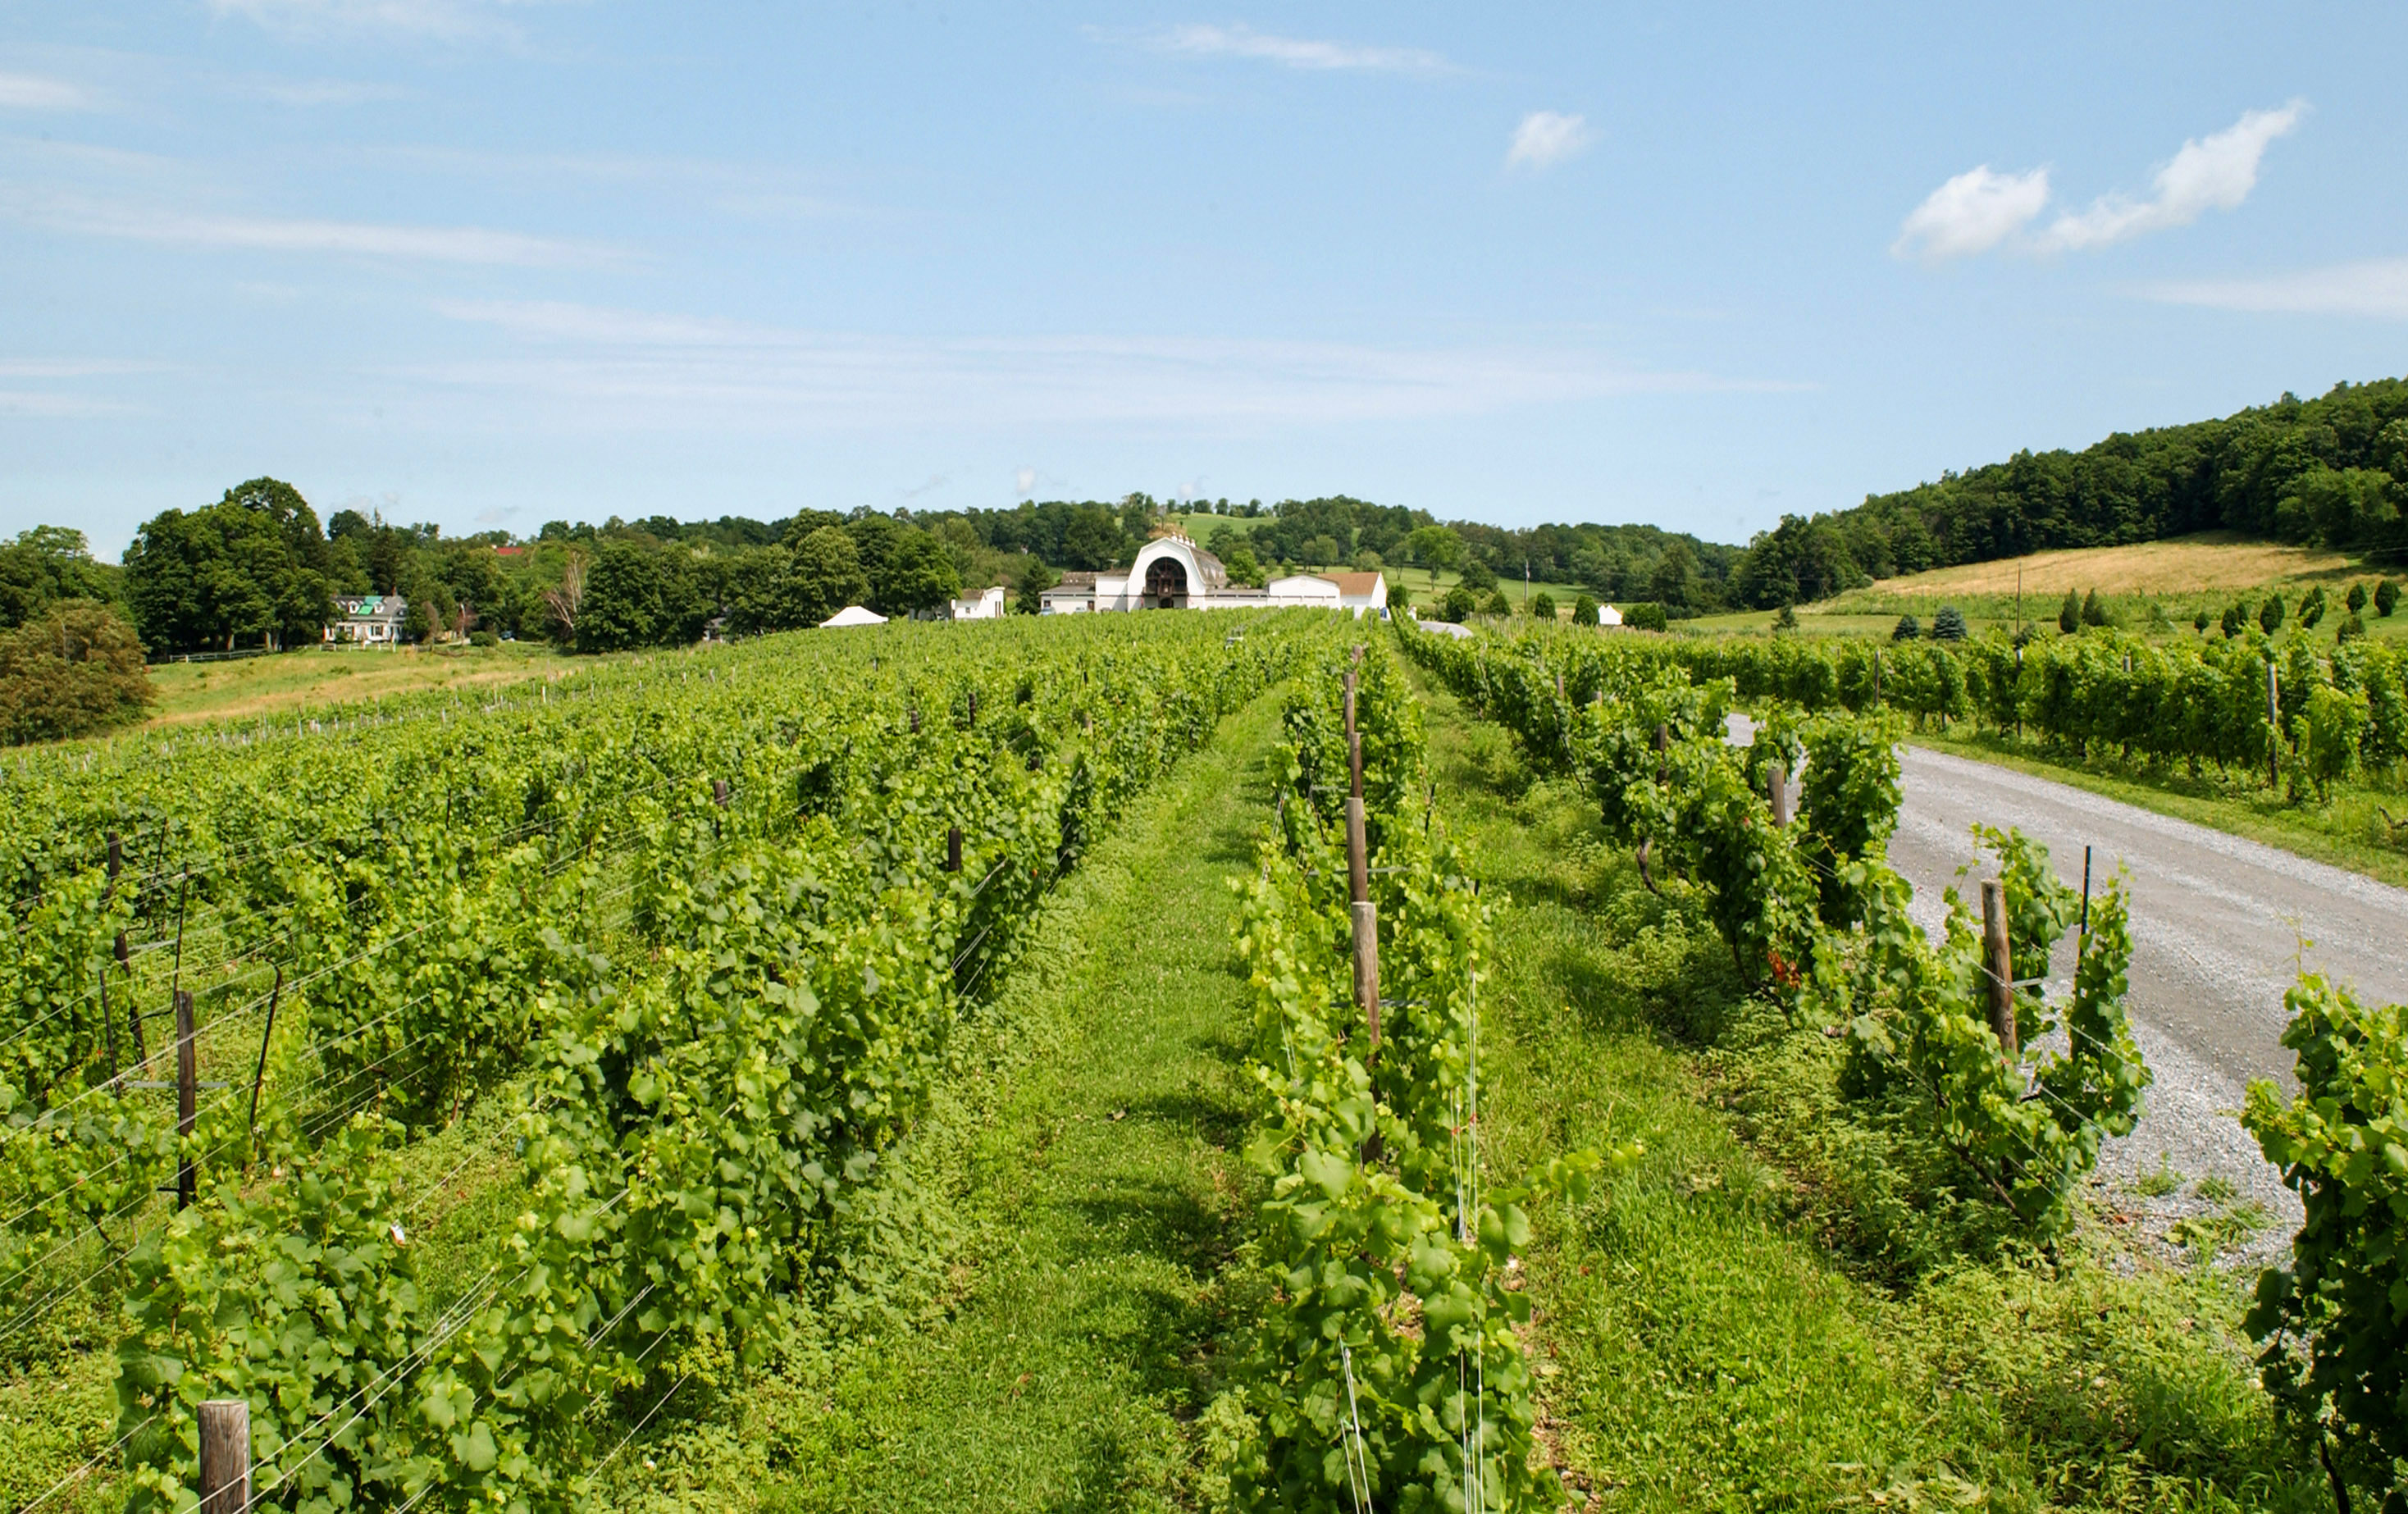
(855, 615)
(1608, 615)
(988, 606)
(367, 620)
(1171, 572)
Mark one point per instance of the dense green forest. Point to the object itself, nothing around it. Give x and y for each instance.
(2324, 472)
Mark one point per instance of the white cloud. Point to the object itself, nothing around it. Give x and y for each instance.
(2377, 290)
(431, 244)
(1199, 41)
(29, 91)
(2215, 173)
(623, 369)
(1546, 138)
(1022, 480)
(1972, 212)
(1982, 209)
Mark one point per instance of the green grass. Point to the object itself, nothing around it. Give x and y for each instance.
(1711, 1338)
(1088, 1164)
(264, 686)
(2350, 832)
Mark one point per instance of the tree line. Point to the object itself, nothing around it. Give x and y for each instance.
(2327, 472)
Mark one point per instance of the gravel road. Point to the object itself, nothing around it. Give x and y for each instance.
(2220, 928)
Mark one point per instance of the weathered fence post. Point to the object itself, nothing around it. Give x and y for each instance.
(187, 1097)
(2001, 961)
(226, 1456)
(719, 792)
(1777, 790)
(1358, 878)
(2273, 725)
(953, 848)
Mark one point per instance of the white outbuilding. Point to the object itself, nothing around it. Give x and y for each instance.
(855, 615)
(1608, 615)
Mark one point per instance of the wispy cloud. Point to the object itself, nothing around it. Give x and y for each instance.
(635, 368)
(1243, 41)
(440, 20)
(1972, 212)
(31, 92)
(1546, 138)
(737, 187)
(1982, 209)
(51, 406)
(2377, 289)
(2212, 173)
(305, 94)
(431, 244)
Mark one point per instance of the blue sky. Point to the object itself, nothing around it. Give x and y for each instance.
(488, 263)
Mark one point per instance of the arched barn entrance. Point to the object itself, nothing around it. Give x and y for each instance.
(1165, 584)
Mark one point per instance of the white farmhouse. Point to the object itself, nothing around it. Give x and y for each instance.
(987, 606)
(367, 620)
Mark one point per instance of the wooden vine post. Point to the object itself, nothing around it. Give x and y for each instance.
(2001, 963)
(1358, 878)
(226, 1456)
(1777, 790)
(125, 959)
(953, 848)
(2273, 725)
(187, 1098)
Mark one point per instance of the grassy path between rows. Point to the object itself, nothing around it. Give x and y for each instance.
(1706, 1340)
(1102, 1189)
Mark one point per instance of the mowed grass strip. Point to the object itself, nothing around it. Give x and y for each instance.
(1106, 1191)
(1702, 1343)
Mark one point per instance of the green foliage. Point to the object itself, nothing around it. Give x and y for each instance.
(2069, 615)
(1495, 603)
(1948, 624)
(1387, 1369)
(2387, 598)
(76, 669)
(2093, 613)
(1400, 598)
(2236, 618)
(1458, 605)
(2270, 614)
(1787, 620)
(1907, 629)
(1646, 616)
(2312, 608)
(2356, 598)
(250, 569)
(639, 596)
(1542, 606)
(45, 564)
(1922, 1050)
(2335, 1322)
(2327, 734)
(826, 576)
(1584, 611)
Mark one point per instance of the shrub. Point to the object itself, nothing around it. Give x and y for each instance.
(1542, 606)
(1907, 629)
(1787, 620)
(2336, 1358)
(2312, 608)
(74, 670)
(1648, 616)
(2356, 598)
(2093, 612)
(2270, 614)
(2236, 619)
(483, 639)
(1584, 611)
(2069, 615)
(2350, 629)
(2199, 623)
(1458, 605)
(1949, 624)
(1495, 603)
(1400, 598)
(2386, 597)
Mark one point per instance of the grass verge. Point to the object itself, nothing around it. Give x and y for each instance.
(1708, 1337)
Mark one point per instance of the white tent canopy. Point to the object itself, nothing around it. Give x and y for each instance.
(855, 615)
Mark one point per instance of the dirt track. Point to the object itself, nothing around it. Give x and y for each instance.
(2218, 926)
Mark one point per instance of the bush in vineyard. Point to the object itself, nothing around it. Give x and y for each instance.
(2335, 1321)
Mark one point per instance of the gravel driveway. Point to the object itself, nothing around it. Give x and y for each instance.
(2221, 927)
